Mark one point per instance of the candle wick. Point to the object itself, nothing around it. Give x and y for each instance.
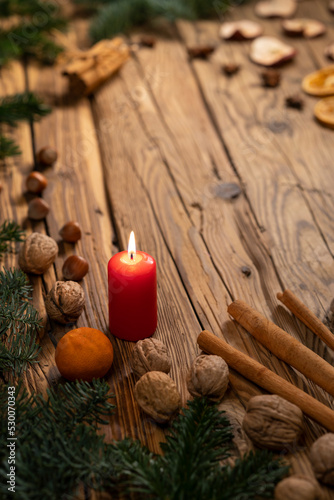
(131, 256)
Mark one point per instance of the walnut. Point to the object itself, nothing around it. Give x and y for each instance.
(208, 376)
(37, 253)
(157, 395)
(272, 422)
(65, 301)
(297, 487)
(150, 355)
(322, 458)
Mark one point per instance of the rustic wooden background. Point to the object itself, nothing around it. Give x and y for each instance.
(151, 152)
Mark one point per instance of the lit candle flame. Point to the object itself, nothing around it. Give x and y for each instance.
(132, 246)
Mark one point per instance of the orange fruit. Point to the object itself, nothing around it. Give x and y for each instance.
(84, 353)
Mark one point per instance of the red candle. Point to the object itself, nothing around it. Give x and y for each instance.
(132, 287)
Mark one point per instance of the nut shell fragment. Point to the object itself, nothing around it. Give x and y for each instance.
(320, 83)
(37, 253)
(324, 111)
(150, 355)
(322, 459)
(272, 422)
(208, 376)
(297, 487)
(240, 30)
(270, 51)
(157, 395)
(65, 301)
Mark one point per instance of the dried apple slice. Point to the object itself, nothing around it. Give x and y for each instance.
(308, 28)
(324, 111)
(276, 8)
(320, 83)
(270, 51)
(240, 30)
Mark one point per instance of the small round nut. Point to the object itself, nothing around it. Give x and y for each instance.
(75, 268)
(322, 458)
(297, 487)
(37, 253)
(47, 156)
(70, 232)
(208, 376)
(65, 301)
(38, 209)
(36, 182)
(150, 355)
(272, 422)
(157, 395)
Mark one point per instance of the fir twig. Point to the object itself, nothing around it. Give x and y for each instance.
(23, 106)
(115, 16)
(19, 323)
(10, 232)
(8, 148)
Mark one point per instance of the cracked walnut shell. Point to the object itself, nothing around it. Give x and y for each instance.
(322, 458)
(150, 355)
(65, 301)
(157, 395)
(37, 253)
(208, 376)
(272, 422)
(297, 487)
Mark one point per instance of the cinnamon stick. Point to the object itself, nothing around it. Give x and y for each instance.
(309, 319)
(265, 378)
(284, 346)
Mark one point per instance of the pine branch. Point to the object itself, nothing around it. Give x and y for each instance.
(8, 148)
(19, 323)
(253, 476)
(24, 106)
(10, 232)
(116, 16)
(23, 8)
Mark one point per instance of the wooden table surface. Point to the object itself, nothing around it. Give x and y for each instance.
(152, 152)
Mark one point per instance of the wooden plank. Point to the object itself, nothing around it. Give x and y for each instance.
(154, 157)
(238, 108)
(13, 205)
(310, 165)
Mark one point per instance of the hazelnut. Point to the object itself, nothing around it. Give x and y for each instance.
(38, 209)
(36, 182)
(65, 301)
(271, 78)
(294, 101)
(272, 422)
(147, 41)
(47, 156)
(37, 253)
(201, 51)
(70, 232)
(150, 355)
(75, 268)
(157, 395)
(230, 68)
(208, 376)
(322, 458)
(297, 487)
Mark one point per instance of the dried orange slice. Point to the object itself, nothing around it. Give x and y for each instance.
(320, 83)
(324, 111)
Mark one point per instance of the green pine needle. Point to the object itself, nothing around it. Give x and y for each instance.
(115, 16)
(22, 106)
(8, 148)
(10, 232)
(19, 322)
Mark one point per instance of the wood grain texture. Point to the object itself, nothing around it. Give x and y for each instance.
(225, 187)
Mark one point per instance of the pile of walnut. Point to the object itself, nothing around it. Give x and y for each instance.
(157, 394)
(65, 301)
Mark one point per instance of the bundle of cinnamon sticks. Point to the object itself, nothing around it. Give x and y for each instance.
(87, 70)
(285, 347)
